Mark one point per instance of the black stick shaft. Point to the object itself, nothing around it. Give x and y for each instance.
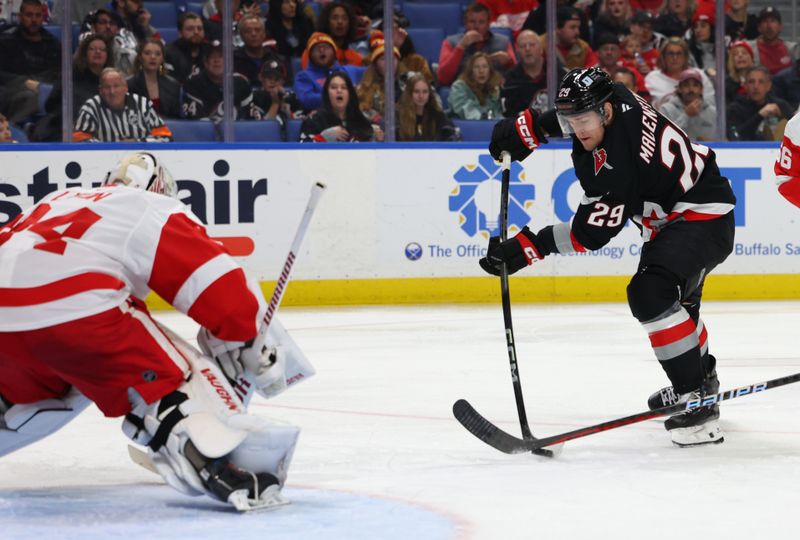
(512, 351)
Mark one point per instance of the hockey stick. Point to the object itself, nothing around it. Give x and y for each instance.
(499, 439)
(244, 383)
(472, 423)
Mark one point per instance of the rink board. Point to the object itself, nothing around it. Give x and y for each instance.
(407, 224)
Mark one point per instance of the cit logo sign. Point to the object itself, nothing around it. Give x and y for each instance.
(476, 198)
(413, 251)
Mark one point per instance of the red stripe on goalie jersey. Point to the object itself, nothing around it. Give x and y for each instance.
(227, 306)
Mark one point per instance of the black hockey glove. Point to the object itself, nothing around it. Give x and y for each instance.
(518, 136)
(517, 253)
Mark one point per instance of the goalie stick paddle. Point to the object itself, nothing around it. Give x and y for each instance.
(505, 442)
(244, 385)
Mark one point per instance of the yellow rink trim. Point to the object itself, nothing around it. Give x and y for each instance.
(523, 289)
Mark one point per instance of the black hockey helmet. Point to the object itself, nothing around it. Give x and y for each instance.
(582, 90)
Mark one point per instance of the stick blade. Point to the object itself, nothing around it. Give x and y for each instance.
(492, 435)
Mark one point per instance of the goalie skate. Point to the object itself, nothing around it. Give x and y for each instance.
(269, 499)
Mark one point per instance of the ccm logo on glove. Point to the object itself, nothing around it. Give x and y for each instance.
(525, 131)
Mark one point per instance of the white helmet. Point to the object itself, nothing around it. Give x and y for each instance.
(142, 170)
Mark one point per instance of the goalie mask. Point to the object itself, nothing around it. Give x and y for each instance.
(142, 170)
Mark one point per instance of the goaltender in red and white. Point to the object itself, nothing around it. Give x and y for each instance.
(787, 166)
(74, 330)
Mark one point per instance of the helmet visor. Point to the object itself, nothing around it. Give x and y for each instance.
(580, 123)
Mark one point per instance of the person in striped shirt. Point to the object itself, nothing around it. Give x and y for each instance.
(114, 115)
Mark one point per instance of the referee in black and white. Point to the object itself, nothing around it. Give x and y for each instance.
(114, 115)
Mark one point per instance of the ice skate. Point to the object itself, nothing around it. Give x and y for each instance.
(696, 426)
(666, 396)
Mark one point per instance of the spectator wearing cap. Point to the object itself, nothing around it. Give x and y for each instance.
(308, 83)
(612, 18)
(688, 110)
(338, 21)
(701, 39)
(571, 50)
(273, 101)
(202, 97)
(101, 21)
(257, 50)
(740, 60)
(151, 80)
(526, 83)
(786, 85)
(609, 57)
(30, 55)
(769, 49)
(758, 115)
(675, 18)
(476, 93)
(477, 37)
(370, 91)
(739, 24)
(537, 19)
(115, 115)
(673, 61)
(289, 26)
(651, 42)
(509, 13)
(185, 54)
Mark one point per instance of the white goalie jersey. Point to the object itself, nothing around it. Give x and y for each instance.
(80, 252)
(787, 166)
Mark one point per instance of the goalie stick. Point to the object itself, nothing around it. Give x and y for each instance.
(244, 386)
(505, 442)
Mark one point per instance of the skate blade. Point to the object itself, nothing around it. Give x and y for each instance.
(271, 498)
(708, 433)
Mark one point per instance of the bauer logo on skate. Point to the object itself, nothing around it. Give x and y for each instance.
(476, 198)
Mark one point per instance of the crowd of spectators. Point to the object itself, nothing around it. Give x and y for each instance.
(323, 63)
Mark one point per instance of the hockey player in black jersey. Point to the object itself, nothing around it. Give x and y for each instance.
(633, 163)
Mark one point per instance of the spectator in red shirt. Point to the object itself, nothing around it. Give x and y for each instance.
(458, 48)
(769, 49)
(571, 50)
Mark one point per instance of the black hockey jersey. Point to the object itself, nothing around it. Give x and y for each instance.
(645, 169)
(202, 98)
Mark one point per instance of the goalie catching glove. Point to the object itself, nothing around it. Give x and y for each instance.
(518, 136)
(517, 253)
(264, 363)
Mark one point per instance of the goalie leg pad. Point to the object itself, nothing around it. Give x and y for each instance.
(201, 440)
(25, 423)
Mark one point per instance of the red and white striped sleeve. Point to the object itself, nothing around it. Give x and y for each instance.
(197, 275)
(787, 166)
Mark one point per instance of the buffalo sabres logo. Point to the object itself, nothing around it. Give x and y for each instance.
(600, 160)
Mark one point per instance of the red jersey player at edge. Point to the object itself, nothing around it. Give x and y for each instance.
(73, 330)
(633, 163)
(787, 166)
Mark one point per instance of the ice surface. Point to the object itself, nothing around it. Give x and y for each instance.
(380, 455)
